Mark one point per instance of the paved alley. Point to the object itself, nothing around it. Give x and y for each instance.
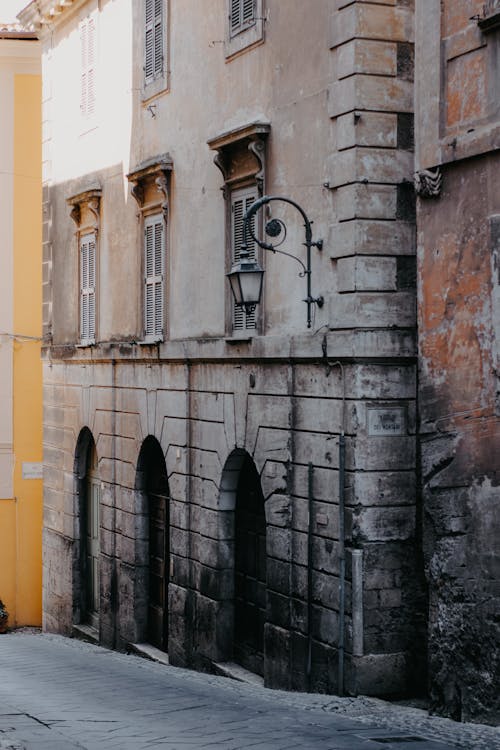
(63, 694)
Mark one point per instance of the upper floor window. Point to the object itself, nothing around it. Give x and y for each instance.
(241, 200)
(85, 212)
(154, 282)
(87, 288)
(88, 54)
(150, 187)
(241, 157)
(245, 25)
(155, 46)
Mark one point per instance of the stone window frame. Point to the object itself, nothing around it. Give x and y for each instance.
(241, 156)
(247, 37)
(150, 187)
(85, 211)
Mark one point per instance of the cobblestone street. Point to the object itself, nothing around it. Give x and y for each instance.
(63, 694)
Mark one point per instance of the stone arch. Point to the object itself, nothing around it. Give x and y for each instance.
(241, 503)
(152, 559)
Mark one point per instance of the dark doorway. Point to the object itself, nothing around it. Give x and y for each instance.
(90, 527)
(249, 570)
(155, 487)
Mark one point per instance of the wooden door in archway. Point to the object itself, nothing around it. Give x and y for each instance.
(250, 570)
(159, 550)
(91, 567)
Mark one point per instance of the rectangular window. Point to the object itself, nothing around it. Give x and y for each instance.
(154, 40)
(154, 277)
(88, 49)
(87, 288)
(242, 15)
(241, 200)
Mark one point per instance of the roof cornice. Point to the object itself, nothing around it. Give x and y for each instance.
(41, 15)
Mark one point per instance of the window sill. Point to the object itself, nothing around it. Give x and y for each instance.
(155, 88)
(238, 339)
(150, 342)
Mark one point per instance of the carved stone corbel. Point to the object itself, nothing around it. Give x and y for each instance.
(258, 149)
(88, 199)
(162, 187)
(230, 149)
(76, 214)
(93, 205)
(151, 172)
(428, 183)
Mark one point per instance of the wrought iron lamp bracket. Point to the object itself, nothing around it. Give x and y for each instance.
(274, 228)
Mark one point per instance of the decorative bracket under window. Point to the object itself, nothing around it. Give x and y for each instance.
(150, 178)
(241, 155)
(85, 208)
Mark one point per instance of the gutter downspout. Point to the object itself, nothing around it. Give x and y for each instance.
(341, 631)
(309, 572)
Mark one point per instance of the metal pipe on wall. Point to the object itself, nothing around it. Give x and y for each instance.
(357, 602)
(341, 644)
(309, 571)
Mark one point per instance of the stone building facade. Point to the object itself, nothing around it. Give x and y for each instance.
(459, 316)
(233, 488)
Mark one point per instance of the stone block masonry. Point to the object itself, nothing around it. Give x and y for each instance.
(285, 416)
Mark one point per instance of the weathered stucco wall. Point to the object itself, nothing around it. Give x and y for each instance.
(458, 245)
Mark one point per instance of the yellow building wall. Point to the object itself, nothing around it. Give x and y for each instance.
(21, 517)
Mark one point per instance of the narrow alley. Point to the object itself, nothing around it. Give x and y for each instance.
(62, 694)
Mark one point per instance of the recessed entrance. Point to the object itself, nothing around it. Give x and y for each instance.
(249, 570)
(155, 493)
(90, 504)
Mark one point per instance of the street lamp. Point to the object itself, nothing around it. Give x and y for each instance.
(246, 275)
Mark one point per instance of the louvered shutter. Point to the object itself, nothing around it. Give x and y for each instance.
(154, 283)
(88, 67)
(153, 39)
(241, 200)
(91, 67)
(87, 288)
(242, 15)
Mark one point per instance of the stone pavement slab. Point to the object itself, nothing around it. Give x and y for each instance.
(62, 694)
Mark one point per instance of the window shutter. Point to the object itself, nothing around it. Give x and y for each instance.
(241, 200)
(154, 254)
(88, 67)
(242, 15)
(91, 62)
(248, 12)
(87, 288)
(153, 39)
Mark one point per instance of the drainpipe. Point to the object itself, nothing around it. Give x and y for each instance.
(309, 572)
(357, 602)
(341, 646)
(341, 557)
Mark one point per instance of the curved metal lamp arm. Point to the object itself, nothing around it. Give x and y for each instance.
(274, 228)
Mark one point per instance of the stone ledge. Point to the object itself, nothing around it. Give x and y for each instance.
(236, 672)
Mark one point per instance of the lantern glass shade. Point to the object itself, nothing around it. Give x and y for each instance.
(245, 278)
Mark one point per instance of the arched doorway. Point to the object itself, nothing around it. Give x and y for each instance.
(153, 484)
(89, 491)
(249, 569)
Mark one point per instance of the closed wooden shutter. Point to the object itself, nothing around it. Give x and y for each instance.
(88, 66)
(242, 15)
(154, 39)
(241, 200)
(87, 288)
(154, 282)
